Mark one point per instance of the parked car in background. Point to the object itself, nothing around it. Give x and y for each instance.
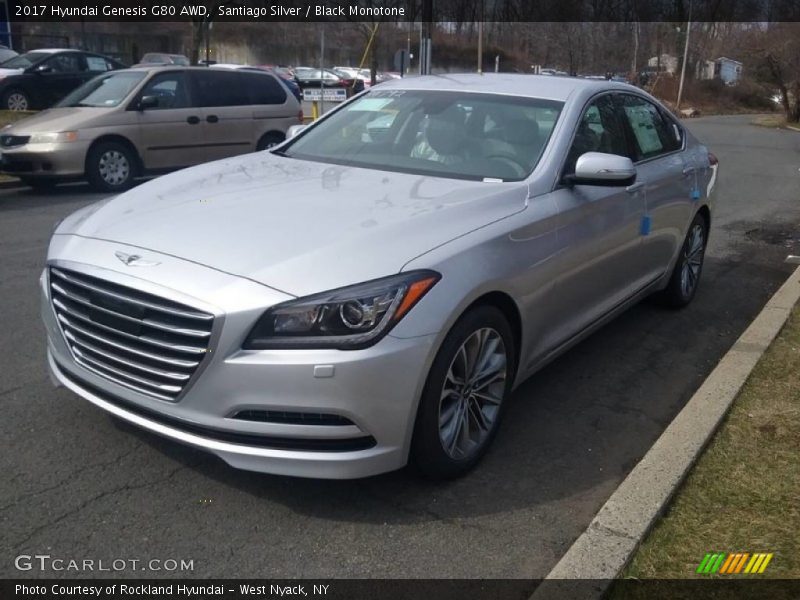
(365, 296)
(40, 78)
(287, 76)
(308, 77)
(6, 53)
(159, 58)
(127, 123)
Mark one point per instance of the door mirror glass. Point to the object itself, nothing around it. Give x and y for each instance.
(294, 130)
(598, 168)
(148, 102)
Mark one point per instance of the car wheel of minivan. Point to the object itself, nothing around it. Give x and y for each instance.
(268, 140)
(464, 395)
(110, 167)
(685, 277)
(16, 99)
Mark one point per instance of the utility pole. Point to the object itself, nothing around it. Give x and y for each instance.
(321, 67)
(425, 37)
(480, 46)
(685, 56)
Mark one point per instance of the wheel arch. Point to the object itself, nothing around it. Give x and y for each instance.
(506, 305)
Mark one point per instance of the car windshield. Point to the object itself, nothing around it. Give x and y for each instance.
(446, 134)
(104, 91)
(23, 61)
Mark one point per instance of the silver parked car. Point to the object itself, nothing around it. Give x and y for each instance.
(371, 291)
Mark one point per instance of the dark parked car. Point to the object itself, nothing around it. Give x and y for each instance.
(315, 78)
(160, 58)
(40, 78)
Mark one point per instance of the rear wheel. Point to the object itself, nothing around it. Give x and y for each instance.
(110, 167)
(16, 99)
(685, 277)
(268, 140)
(465, 394)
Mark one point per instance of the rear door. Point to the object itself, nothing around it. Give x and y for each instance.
(170, 134)
(65, 71)
(226, 112)
(669, 179)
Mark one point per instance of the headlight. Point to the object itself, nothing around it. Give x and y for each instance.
(53, 138)
(347, 318)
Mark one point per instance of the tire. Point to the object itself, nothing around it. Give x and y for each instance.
(454, 426)
(40, 185)
(111, 167)
(16, 99)
(268, 140)
(685, 278)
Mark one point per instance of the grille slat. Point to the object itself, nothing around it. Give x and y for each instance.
(106, 355)
(135, 339)
(117, 314)
(141, 338)
(175, 362)
(144, 303)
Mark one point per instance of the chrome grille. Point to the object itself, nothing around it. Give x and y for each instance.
(138, 340)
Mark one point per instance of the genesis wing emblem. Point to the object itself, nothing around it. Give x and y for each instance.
(134, 260)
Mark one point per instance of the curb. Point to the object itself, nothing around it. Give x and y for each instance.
(604, 549)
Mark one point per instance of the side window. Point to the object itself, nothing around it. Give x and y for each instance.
(599, 130)
(264, 89)
(169, 88)
(69, 62)
(651, 133)
(219, 88)
(97, 63)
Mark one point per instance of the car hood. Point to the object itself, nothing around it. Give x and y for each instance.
(297, 226)
(55, 120)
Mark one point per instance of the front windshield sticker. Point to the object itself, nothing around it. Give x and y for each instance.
(370, 104)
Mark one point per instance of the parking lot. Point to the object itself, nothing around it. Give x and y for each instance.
(77, 484)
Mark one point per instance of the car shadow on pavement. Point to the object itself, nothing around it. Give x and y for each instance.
(573, 430)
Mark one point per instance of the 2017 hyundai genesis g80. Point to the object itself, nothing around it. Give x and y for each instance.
(371, 291)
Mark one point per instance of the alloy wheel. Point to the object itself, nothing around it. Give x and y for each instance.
(17, 101)
(472, 393)
(692, 260)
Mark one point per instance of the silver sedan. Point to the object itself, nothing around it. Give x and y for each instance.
(371, 291)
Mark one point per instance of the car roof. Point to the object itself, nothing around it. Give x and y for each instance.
(54, 50)
(512, 84)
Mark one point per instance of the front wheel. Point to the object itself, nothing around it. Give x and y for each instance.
(464, 395)
(110, 167)
(685, 278)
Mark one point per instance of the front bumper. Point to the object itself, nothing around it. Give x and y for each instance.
(374, 390)
(61, 160)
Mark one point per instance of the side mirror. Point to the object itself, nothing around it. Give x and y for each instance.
(599, 168)
(294, 130)
(147, 102)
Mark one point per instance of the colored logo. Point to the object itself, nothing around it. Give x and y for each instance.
(732, 564)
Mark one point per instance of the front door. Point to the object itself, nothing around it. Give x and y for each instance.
(598, 231)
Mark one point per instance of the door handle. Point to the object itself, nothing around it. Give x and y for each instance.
(193, 120)
(689, 170)
(212, 118)
(635, 187)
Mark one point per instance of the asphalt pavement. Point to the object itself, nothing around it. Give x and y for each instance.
(77, 484)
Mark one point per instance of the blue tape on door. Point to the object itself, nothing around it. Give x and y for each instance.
(645, 229)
